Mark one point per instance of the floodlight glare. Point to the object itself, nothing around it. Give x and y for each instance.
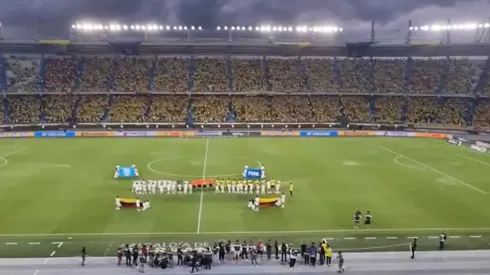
(199, 28)
(226, 28)
(193, 28)
(257, 29)
(487, 25)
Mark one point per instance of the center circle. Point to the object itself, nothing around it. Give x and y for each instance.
(152, 163)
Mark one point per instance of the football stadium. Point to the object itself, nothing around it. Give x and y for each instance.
(191, 142)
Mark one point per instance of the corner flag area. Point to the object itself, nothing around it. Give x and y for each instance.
(57, 195)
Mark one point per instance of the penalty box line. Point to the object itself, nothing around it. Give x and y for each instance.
(434, 170)
(376, 230)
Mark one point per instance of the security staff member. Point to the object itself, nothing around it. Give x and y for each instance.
(413, 248)
(291, 189)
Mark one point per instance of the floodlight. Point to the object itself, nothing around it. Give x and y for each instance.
(73, 26)
(180, 28)
(257, 29)
(250, 28)
(199, 28)
(193, 28)
(218, 28)
(290, 29)
(175, 28)
(226, 28)
(486, 25)
(243, 28)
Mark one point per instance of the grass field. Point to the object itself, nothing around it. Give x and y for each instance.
(57, 195)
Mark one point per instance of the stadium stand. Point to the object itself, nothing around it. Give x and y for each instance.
(61, 74)
(22, 74)
(171, 75)
(386, 79)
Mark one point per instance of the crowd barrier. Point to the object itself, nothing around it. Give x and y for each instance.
(209, 134)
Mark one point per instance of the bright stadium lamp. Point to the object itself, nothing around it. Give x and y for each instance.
(225, 28)
(73, 26)
(185, 27)
(250, 28)
(290, 29)
(257, 28)
(193, 28)
(199, 28)
(180, 28)
(486, 25)
(232, 28)
(218, 28)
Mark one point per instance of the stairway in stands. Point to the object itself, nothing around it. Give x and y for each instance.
(444, 74)
(229, 73)
(483, 79)
(470, 113)
(41, 84)
(151, 77)
(6, 110)
(74, 112)
(267, 74)
(336, 72)
(192, 70)
(80, 66)
(407, 74)
(149, 101)
(372, 107)
(3, 74)
(42, 107)
(107, 109)
(109, 84)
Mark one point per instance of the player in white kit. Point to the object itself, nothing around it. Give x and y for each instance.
(138, 204)
(262, 187)
(135, 170)
(186, 186)
(116, 174)
(118, 203)
(278, 187)
(283, 200)
(256, 203)
(189, 185)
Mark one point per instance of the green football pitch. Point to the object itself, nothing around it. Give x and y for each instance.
(57, 195)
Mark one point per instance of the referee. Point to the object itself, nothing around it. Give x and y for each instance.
(291, 189)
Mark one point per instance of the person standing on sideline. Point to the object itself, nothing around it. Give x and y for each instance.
(413, 248)
(276, 249)
(119, 256)
(328, 253)
(442, 241)
(313, 251)
(194, 263)
(292, 258)
(268, 249)
(341, 262)
(323, 247)
(127, 254)
(284, 251)
(84, 254)
(253, 256)
(291, 187)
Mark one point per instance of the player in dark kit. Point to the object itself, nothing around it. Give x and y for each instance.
(367, 219)
(442, 241)
(357, 219)
(84, 254)
(413, 248)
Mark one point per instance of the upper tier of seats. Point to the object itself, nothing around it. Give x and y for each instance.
(219, 74)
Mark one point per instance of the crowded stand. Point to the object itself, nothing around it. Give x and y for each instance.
(126, 108)
(426, 75)
(96, 74)
(388, 75)
(211, 75)
(290, 109)
(321, 77)
(132, 75)
(171, 75)
(208, 75)
(210, 109)
(25, 109)
(251, 109)
(482, 114)
(58, 108)
(248, 75)
(61, 74)
(459, 79)
(22, 74)
(356, 76)
(168, 108)
(325, 108)
(91, 108)
(356, 108)
(286, 75)
(388, 109)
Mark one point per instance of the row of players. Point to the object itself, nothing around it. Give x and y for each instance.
(220, 186)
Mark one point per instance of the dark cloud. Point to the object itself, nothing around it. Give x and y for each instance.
(55, 15)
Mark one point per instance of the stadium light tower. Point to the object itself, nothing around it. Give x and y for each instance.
(272, 30)
(104, 29)
(482, 30)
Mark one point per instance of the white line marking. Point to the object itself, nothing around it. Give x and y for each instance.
(433, 237)
(349, 238)
(35, 273)
(475, 160)
(397, 161)
(454, 237)
(408, 230)
(435, 170)
(10, 243)
(33, 243)
(371, 238)
(412, 237)
(60, 244)
(329, 239)
(3, 157)
(392, 238)
(52, 254)
(475, 236)
(199, 216)
(46, 261)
